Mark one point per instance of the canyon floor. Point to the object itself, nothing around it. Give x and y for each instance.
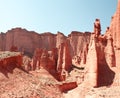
(20, 84)
(40, 84)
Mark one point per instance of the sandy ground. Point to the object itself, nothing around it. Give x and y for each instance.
(40, 84)
(19, 84)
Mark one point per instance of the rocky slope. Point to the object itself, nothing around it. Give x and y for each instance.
(38, 84)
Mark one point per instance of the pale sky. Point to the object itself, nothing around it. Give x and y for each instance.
(55, 15)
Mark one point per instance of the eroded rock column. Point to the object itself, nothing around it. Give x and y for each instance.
(92, 63)
(109, 51)
(64, 60)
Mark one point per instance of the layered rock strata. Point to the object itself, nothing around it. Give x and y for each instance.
(28, 41)
(115, 32)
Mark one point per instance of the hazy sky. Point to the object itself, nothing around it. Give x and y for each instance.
(55, 15)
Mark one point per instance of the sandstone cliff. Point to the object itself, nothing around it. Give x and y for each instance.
(2, 41)
(115, 26)
(115, 32)
(28, 41)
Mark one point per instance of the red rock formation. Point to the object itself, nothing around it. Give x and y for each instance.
(78, 40)
(92, 63)
(27, 63)
(13, 48)
(36, 59)
(45, 59)
(97, 27)
(54, 53)
(100, 59)
(29, 40)
(115, 32)
(9, 61)
(67, 59)
(2, 41)
(60, 38)
(64, 57)
(67, 86)
(22, 39)
(40, 59)
(104, 50)
(115, 27)
(47, 41)
(76, 60)
(84, 54)
(109, 52)
(64, 62)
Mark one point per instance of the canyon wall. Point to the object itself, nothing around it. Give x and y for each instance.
(2, 41)
(115, 32)
(28, 41)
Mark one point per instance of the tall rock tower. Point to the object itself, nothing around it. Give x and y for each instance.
(115, 32)
(115, 27)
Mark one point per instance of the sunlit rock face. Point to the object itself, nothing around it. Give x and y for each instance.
(101, 61)
(115, 26)
(78, 40)
(64, 57)
(115, 32)
(55, 51)
(28, 41)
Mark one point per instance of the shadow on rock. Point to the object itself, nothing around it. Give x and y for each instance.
(105, 75)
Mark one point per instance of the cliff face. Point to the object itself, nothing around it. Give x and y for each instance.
(21, 39)
(100, 61)
(2, 41)
(54, 52)
(78, 40)
(115, 32)
(28, 41)
(115, 26)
